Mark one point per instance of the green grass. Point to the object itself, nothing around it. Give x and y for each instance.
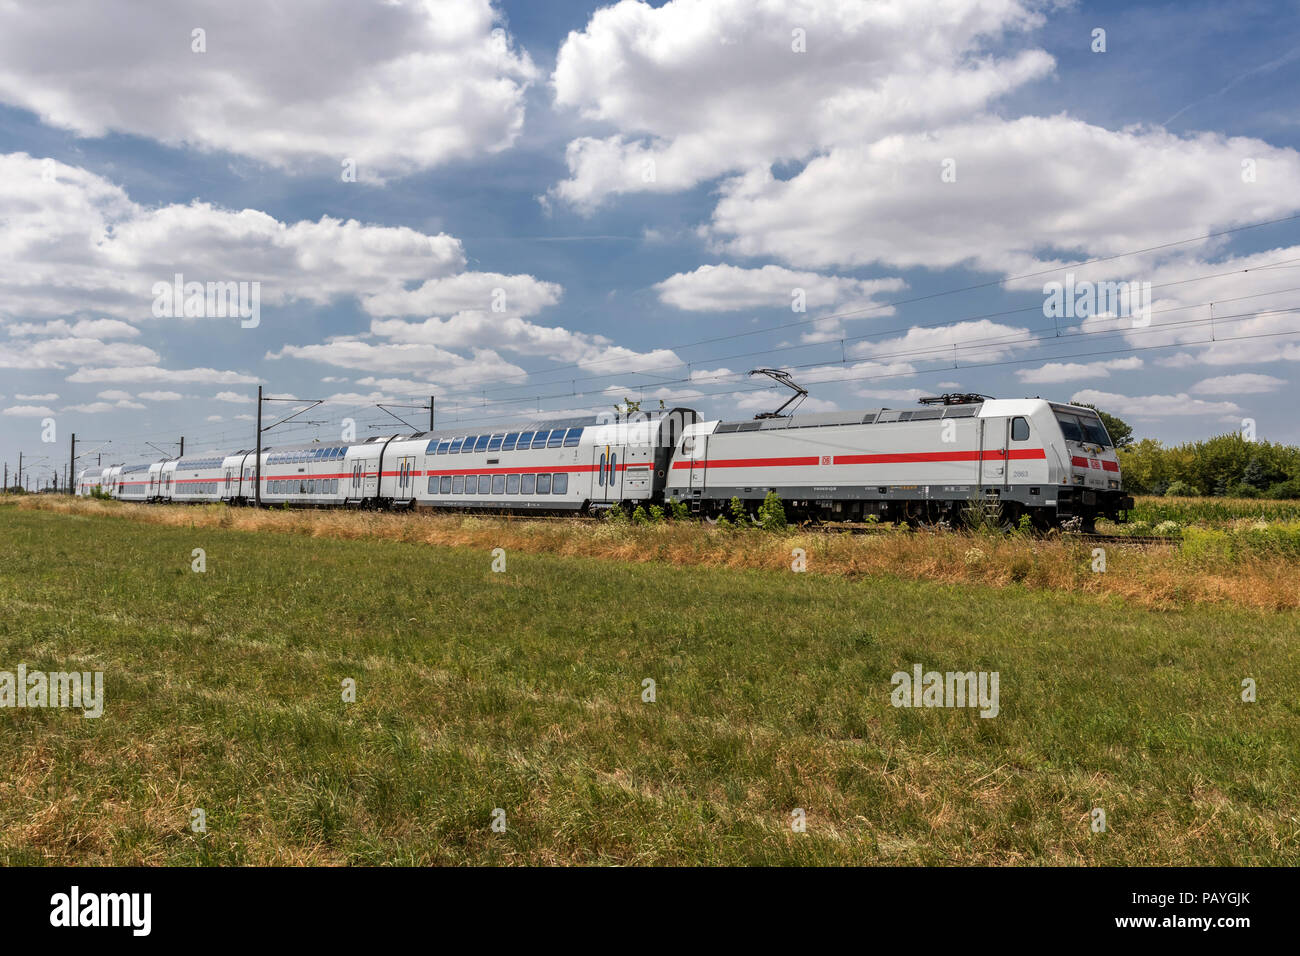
(522, 690)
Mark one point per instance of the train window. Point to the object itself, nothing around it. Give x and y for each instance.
(556, 439)
(509, 443)
(1019, 429)
(543, 484)
(539, 440)
(495, 443)
(471, 484)
(433, 482)
(1095, 431)
(527, 484)
(482, 442)
(445, 485)
(455, 446)
(600, 472)
(572, 437)
(458, 484)
(512, 484)
(1070, 427)
(485, 484)
(560, 484)
(525, 440)
(443, 446)
(498, 484)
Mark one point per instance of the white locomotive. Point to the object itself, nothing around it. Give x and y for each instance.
(1048, 461)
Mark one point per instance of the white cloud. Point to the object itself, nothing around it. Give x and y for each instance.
(112, 251)
(213, 418)
(1022, 187)
(155, 375)
(702, 87)
(396, 87)
(83, 328)
(727, 288)
(468, 291)
(1155, 406)
(55, 353)
(28, 411)
(49, 397)
(114, 395)
(1244, 384)
(448, 367)
(163, 396)
(1054, 372)
(976, 341)
(237, 398)
(92, 408)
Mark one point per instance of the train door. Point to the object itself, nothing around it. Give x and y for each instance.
(153, 484)
(698, 447)
(607, 483)
(994, 437)
(370, 478)
(405, 479)
(230, 477)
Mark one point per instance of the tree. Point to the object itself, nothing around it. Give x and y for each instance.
(1120, 431)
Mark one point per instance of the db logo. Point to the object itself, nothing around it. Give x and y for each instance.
(1093, 463)
(826, 459)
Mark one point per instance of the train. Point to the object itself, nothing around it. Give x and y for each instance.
(1051, 463)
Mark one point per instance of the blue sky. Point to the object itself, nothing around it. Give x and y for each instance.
(505, 148)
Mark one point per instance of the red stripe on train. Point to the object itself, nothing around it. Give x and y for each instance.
(893, 458)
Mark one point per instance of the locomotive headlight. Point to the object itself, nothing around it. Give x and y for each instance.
(1078, 479)
(1112, 483)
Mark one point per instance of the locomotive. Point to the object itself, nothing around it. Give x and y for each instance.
(1053, 463)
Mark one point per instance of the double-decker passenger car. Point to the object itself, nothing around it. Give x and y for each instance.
(572, 464)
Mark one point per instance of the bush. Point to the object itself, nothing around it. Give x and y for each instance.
(1181, 489)
(639, 516)
(738, 513)
(1221, 464)
(1285, 489)
(681, 510)
(771, 513)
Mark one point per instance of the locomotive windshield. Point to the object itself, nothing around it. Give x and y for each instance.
(1083, 428)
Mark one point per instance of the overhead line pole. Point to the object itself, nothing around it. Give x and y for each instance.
(257, 455)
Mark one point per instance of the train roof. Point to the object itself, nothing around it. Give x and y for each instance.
(545, 424)
(860, 417)
(985, 407)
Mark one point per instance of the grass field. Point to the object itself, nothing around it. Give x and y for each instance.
(522, 690)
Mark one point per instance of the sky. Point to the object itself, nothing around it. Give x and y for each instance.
(534, 209)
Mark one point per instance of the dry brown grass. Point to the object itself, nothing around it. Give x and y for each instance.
(1149, 576)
